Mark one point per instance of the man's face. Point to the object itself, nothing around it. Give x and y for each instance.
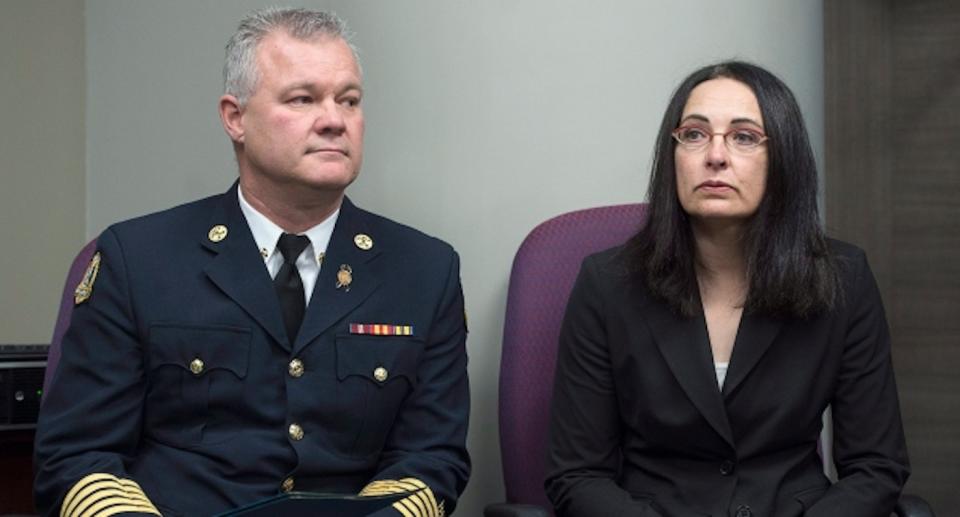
(302, 127)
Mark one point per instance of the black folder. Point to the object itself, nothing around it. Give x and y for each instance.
(315, 504)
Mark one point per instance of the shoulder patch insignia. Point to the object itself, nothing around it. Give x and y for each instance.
(85, 287)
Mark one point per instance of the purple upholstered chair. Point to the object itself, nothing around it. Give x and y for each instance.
(77, 269)
(544, 270)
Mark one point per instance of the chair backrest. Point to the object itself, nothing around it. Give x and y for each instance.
(77, 269)
(543, 273)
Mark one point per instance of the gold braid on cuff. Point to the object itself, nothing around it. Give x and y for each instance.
(420, 503)
(103, 495)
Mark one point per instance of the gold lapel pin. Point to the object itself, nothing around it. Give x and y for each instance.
(363, 241)
(217, 233)
(344, 277)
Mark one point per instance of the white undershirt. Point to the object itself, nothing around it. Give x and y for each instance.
(266, 233)
(721, 372)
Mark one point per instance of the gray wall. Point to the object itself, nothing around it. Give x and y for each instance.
(483, 119)
(41, 161)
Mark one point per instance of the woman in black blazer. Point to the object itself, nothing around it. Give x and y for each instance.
(696, 360)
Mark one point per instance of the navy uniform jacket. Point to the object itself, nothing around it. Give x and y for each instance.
(640, 427)
(178, 389)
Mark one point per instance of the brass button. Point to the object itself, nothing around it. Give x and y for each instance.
(295, 432)
(380, 374)
(287, 485)
(295, 368)
(196, 366)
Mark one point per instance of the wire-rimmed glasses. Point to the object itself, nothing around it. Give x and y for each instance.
(740, 139)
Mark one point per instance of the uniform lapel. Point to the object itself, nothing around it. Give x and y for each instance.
(754, 337)
(238, 268)
(329, 303)
(686, 347)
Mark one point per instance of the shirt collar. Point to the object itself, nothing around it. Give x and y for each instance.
(266, 232)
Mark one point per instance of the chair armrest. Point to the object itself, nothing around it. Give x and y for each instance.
(911, 505)
(515, 510)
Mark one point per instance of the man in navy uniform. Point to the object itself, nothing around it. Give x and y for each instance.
(269, 339)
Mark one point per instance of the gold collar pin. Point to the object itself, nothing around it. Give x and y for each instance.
(363, 241)
(217, 233)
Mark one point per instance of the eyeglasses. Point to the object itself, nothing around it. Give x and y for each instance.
(742, 140)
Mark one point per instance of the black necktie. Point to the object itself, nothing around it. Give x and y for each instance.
(288, 284)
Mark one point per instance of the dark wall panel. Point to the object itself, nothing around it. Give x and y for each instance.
(893, 186)
(925, 315)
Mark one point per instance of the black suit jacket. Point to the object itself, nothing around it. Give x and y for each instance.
(132, 412)
(640, 427)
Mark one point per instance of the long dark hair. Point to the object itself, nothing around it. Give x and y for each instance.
(790, 271)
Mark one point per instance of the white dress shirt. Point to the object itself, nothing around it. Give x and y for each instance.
(266, 233)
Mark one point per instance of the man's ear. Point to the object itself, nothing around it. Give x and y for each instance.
(231, 115)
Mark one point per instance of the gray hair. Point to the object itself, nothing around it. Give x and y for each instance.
(240, 72)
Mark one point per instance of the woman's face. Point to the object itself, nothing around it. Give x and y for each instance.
(723, 181)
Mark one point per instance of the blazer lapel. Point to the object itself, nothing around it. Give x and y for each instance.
(330, 303)
(686, 347)
(238, 269)
(754, 337)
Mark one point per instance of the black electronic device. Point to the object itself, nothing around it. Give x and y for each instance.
(21, 385)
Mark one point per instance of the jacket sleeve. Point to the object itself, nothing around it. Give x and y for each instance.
(584, 449)
(426, 447)
(91, 416)
(869, 446)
